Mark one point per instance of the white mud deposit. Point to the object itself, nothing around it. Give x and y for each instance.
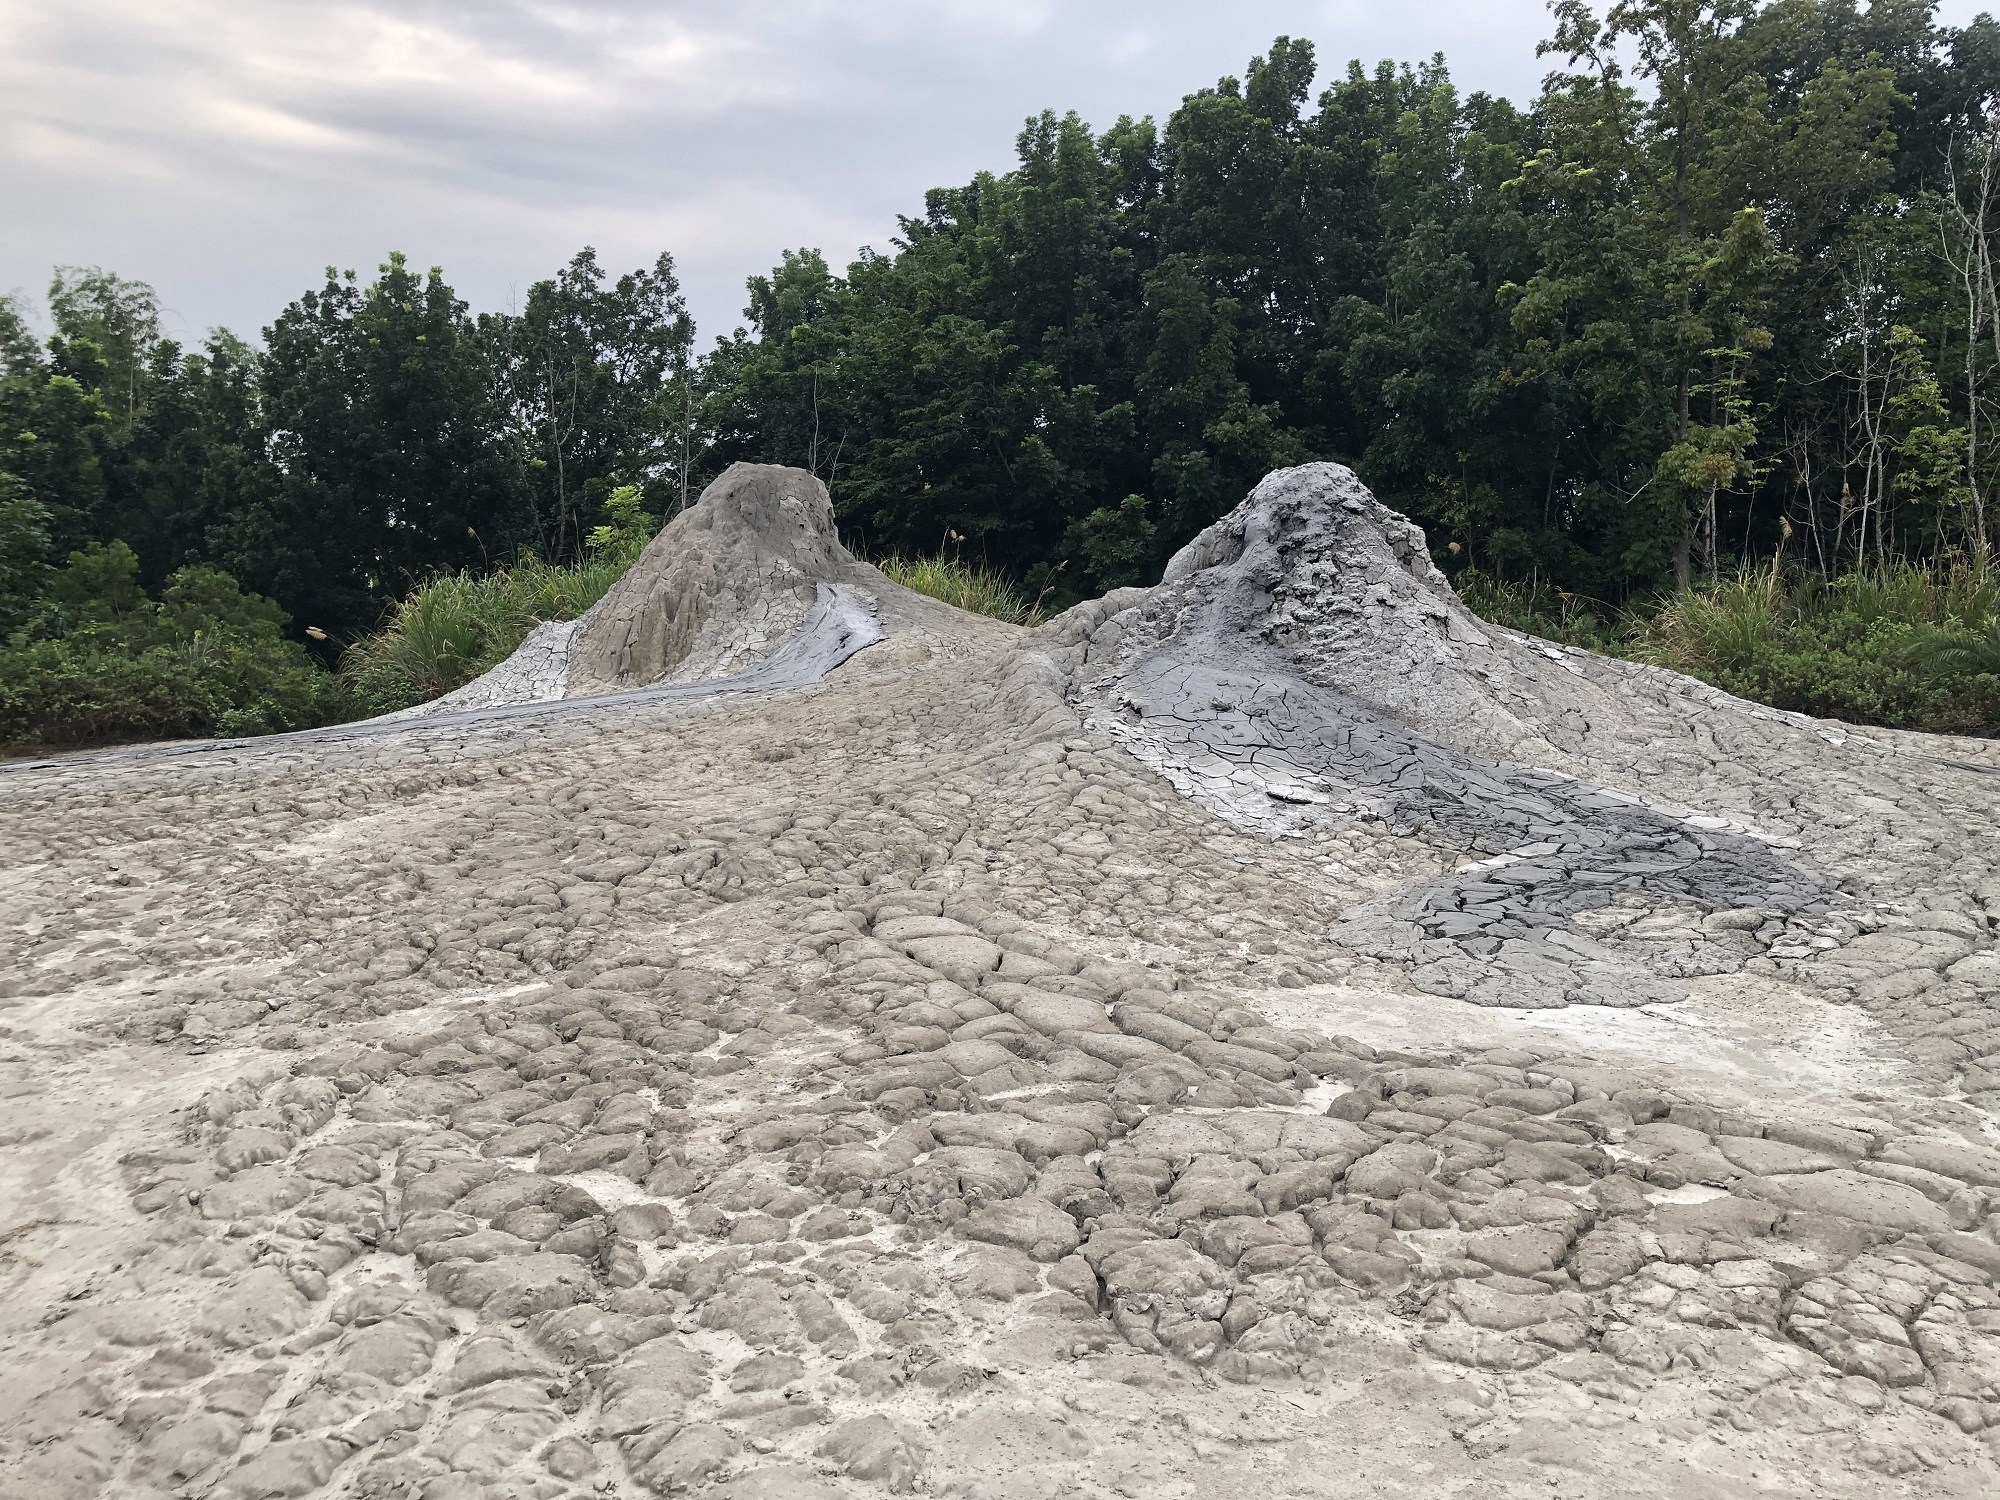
(1272, 1033)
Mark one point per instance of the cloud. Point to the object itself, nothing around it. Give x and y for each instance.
(227, 152)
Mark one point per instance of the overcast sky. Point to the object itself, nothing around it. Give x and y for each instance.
(228, 150)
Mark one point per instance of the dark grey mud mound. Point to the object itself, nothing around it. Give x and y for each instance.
(1304, 661)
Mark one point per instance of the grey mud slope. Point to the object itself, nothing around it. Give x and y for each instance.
(1271, 1033)
(748, 590)
(1231, 680)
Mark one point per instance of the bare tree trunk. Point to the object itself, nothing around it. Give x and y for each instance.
(1982, 307)
(812, 456)
(1684, 543)
(1711, 525)
(1972, 408)
(1966, 232)
(1802, 448)
(1868, 422)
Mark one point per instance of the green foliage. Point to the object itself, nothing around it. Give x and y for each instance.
(62, 693)
(972, 587)
(385, 431)
(101, 661)
(1538, 608)
(107, 328)
(100, 588)
(1911, 648)
(24, 551)
(458, 625)
(1862, 648)
(52, 432)
(203, 600)
(1623, 335)
(594, 382)
(550, 591)
(1968, 649)
(1118, 543)
(443, 635)
(54, 694)
(626, 528)
(383, 436)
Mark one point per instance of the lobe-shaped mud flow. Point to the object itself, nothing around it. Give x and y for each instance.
(1303, 661)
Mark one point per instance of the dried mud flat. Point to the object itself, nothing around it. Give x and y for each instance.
(1267, 1034)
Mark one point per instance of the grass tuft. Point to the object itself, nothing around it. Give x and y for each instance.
(972, 587)
(1909, 647)
(453, 628)
(1537, 609)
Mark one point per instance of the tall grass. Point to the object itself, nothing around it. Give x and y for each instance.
(1907, 647)
(972, 587)
(1537, 609)
(453, 628)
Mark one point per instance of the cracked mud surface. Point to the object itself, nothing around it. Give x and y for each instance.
(1270, 1033)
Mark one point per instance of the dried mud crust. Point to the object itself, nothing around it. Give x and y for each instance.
(903, 1085)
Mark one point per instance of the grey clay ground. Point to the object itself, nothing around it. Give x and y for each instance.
(1272, 1034)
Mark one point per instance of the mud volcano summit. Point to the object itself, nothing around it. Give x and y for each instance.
(778, 1036)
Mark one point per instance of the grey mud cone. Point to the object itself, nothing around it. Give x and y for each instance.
(747, 589)
(1303, 660)
(722, 586)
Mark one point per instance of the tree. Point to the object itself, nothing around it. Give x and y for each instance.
(599, 393)
(387, 438)
(1654, 268)
(120, 321)
(24, 553)
(53, 434)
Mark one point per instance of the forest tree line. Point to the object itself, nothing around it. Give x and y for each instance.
(1723, 295)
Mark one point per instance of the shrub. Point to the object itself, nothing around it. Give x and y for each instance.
(104, 663)
(1910, 647)
(53, 693)
(974, 588)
